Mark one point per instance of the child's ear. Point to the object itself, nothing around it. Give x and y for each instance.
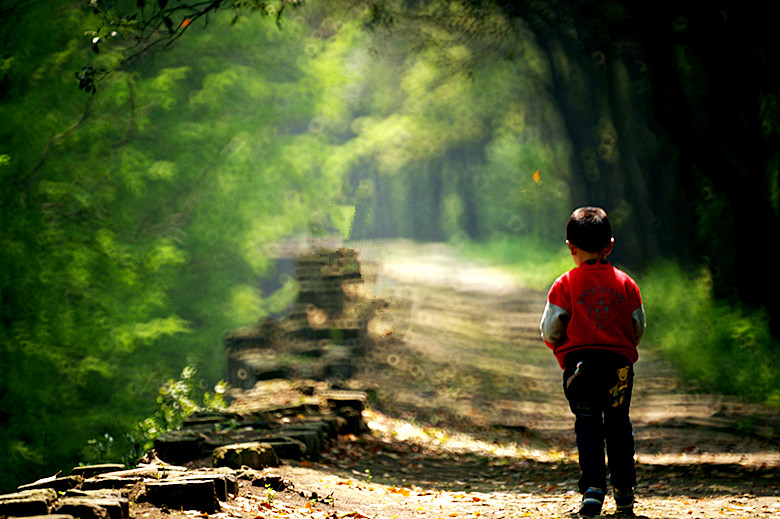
(572, 247)
(608, 249)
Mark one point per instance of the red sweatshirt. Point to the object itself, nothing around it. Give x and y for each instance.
(593, 306)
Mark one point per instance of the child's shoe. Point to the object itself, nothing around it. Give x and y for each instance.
(592, 502)
(624, 502)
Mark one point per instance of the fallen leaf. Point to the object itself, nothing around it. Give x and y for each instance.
(403, 491)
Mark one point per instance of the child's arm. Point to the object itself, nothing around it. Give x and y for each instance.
(553, 325)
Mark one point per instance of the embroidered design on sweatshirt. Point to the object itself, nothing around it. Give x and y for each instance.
(598, 303)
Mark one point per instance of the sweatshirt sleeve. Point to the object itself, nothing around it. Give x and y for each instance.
(553, 325)
(638, 320)
(638, 312)
(555, 318)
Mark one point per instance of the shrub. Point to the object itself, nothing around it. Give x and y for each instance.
(716, 345)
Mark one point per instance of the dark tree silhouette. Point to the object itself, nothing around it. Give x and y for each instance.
(691, 94)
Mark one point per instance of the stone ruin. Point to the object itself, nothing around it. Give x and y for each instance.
(322, 333)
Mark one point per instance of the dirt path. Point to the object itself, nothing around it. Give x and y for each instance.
(467, 417)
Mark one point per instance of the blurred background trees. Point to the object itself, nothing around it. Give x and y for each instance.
(136, 210)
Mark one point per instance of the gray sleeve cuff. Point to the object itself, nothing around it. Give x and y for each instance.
(638, 318)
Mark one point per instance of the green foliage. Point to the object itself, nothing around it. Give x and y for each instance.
(178, 399)
(716, 346)
(133, 220)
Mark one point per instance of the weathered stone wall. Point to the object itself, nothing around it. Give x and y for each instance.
(198, 466)
(319, 336)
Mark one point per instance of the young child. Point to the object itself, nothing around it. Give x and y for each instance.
(593, 322)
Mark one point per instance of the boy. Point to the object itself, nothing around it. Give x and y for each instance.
(593, 322)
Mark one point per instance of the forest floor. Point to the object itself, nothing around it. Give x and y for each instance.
(467, 418)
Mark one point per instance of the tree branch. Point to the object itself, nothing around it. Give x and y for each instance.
(33, 175)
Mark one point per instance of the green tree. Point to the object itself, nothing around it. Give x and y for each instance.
(134, 218)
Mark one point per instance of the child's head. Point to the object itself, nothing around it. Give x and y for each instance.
(588, 228)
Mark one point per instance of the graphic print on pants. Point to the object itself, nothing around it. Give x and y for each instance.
(618, 393)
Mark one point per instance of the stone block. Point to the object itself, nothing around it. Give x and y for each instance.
(341, 399)
(56, 483)
(220, 481)
(256, 455)
(179, 447)
(110, 482)
(27, 502)
(311, 437)
(84, 504)
(183, 495)
(353, 421)
(287, 448)
(90, 471)
(86, 507)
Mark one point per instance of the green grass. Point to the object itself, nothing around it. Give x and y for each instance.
(720, 346)
(717, 346)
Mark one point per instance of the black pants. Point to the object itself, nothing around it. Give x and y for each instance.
(598, 386)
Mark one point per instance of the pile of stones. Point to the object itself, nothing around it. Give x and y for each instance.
(199, 466)
(298, 418)
(106, 491)
(319, 336)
